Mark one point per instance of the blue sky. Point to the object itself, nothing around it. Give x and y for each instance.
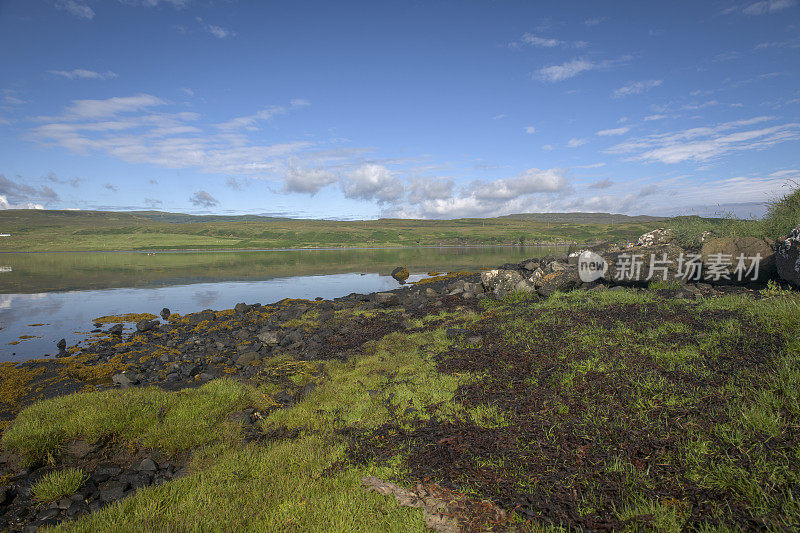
(429, 109)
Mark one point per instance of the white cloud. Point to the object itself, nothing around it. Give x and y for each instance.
(601, 184)
(566, 70)
(373, 182)
(187, 91)
(574, 142)
(706, 143)
(500, 116)
(13, 100)
(5, 204)
(92, 109)
(530, 129)
(636, 88)
(203, 199)
(76, 8)
(594, 21)
(548, 147)
(614, 131)
(425, 189)
(768, 6)
(22, 195)
(531, 181)
(80, 73)
(306, 180)
(654, 117)
(217, 31)
(534, 40)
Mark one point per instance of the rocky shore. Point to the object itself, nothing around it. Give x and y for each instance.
(253, 341)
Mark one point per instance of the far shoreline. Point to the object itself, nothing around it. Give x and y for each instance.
(344, 248)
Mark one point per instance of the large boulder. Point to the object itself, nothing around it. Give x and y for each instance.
(501, 281)
(736, 257)
(787, 257)
(560, 280)
(642, 264)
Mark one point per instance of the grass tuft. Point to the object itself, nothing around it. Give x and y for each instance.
(57, 484)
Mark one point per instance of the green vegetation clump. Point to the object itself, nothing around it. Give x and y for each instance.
(57, 484)
(783, 214)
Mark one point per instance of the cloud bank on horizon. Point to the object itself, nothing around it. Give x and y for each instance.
(357, 110)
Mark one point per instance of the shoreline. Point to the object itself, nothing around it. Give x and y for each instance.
(331, 249)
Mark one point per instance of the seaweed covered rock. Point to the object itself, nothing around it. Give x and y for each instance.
(400, 274)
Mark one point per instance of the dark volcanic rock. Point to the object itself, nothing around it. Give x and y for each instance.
(165, 313)
(116, 329)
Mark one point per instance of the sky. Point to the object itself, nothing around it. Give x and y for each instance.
(413, 109)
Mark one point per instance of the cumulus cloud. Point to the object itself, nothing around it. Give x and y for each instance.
(306, 180)
(373, 182)
(636, 88)
(531, 181)
(22, 196)
(706, 143)
(530, 129)
(203, 199)
(613, 131)
(424, 189)
(83, 74)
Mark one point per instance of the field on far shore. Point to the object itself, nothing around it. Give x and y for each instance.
(40, 231)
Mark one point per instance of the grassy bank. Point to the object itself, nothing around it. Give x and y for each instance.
(622, 410)
(40, 231)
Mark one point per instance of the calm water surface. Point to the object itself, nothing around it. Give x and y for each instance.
(48, 296)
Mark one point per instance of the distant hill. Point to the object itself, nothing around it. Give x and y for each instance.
(582, 218)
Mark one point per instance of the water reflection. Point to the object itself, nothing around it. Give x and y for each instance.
(42, 287)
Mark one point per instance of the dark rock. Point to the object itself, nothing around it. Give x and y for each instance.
(146, 325)
(386, 299)
(64, 503)
(787, 257)
(113, 490)
(241, 307)
(47, 514)
(124, 380)
(116, 329)
(62, 344)
(400, 274)
(247, 358)
(454, 333)
(165, 313)
(563, 280)
(147, 465)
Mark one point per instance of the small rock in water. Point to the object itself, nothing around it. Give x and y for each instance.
(62, 344)
(400, 274)
(165, 313)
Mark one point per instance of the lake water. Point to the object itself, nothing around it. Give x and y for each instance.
(48, 296)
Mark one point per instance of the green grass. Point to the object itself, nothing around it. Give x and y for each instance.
(57, 484)
(95, 230)
(309, 482)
